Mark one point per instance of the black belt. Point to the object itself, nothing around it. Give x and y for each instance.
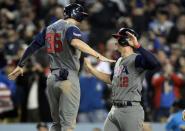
(63, 74)
(125, 103)
(54, 69)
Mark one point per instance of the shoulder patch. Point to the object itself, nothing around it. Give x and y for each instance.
(75, 34)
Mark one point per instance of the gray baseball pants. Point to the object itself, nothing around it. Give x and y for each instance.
(64, 98)
(129, 118)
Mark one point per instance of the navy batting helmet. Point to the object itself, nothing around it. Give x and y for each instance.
(122, 36)
(75, 11)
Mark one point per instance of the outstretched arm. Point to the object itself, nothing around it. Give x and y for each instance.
(100, 75)
(35, 45)
(82, 46)
(74, 37)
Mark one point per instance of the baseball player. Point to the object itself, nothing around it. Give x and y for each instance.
(64, 43)
(126, 113)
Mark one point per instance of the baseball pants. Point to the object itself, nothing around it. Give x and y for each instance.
(64, 98)
(128, 118)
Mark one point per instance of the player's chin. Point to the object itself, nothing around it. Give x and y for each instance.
(116, 48)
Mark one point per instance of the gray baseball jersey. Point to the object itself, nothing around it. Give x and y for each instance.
(126, 86)
(127, 80)
(63, 96)
(61, 53)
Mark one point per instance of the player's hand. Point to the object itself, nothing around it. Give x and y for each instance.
(18, 71)
(133, 40)
(87, 65)
(102, 58)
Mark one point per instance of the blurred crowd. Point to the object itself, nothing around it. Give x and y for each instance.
(161, 28)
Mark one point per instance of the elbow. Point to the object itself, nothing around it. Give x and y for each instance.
(109, 82)
(156, 65)
(78, 44)
(74, 43)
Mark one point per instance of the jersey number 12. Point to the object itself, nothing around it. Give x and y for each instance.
(54, 43)
(124, 81)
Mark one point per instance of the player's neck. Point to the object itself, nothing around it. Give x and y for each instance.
(124, 55)
(126, 52)
(72, 21)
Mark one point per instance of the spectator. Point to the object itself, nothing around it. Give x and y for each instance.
(160, 43)
(102, 27)
(175, 122)
(181, 41)
(12, 45)
(161, 23)
(139, 20)
(175, 8)
(34, 104)
(8, 107)
(166, 86)
(3, 60)
(178, 28)
(55, 14)
(26, 25)
(175, 56)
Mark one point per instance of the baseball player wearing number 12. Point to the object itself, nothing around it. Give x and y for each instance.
(64, 45)
(126, 113)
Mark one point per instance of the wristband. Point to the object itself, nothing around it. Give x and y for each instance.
(137, 46)
(97, 57)
(20, 64)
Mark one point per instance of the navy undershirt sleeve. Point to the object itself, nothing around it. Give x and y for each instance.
(146, 60)
(111, 76)
(35, 45)
(73, 33)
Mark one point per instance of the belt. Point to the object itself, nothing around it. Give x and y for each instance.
(54, 69)
(125, 103)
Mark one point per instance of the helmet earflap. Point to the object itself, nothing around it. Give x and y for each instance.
(123, 42)
(122, 36)
(74, 11)
(76, 14)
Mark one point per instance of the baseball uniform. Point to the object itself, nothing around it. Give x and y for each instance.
(64, 99)
(63, 96)
(126, 113)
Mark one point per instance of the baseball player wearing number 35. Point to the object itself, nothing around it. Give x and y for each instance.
(126, 113)
(64, 43)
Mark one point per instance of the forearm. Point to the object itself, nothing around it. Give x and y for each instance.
(148, 60)
(84, 48)
(28, 53)
(100, 75)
